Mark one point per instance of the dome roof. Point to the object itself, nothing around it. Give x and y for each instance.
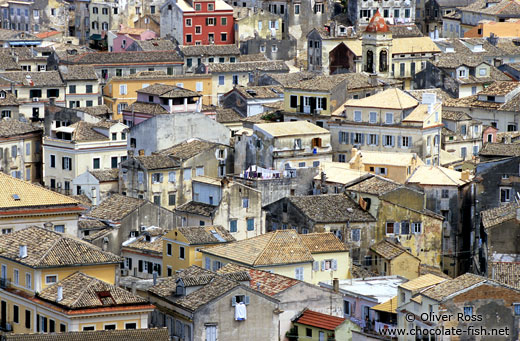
(377, 24)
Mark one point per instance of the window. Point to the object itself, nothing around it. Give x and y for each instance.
(373, 117)
(517, 308)
(296, 9)
(157, 178)
(87, 328)
(171, 199)
(342, 158)
(60, 228)
(16, 314)
(186, 174)
(388, 140)
(357, 116)
(463, 152)
(157, 199)
(389, 118)
(389, 228)
(373, 139)
(199, 171)
(16, 276)
(223, 21)
(96, 163)
(250, 224)
(220, 80)
(140, 177)
(188, 38)
(27, 319)
(445, 193)
(482, 71)
(181, 252)
(235, 79)
(416, 227)
(505, 194)
(405, 141)
(36, 13)
(233, 225)
(122, 89)
(245, 202)
(171, 177)
(28, 280)
(109, 326)
(468, 311)
(308, 332)
(131, 325)
(355, 235)
(188, 22)
(51, 279)
(405, 227)
(298, 273)
(274, 48)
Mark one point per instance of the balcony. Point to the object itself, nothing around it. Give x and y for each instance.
(5, 283)
(6, 326)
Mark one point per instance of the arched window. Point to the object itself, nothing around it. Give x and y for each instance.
(369, 67)
(383, 61)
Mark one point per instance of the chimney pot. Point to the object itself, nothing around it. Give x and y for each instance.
(335, 284)
(59, 297)
(23, 251)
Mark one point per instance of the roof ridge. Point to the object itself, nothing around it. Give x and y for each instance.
(266, 246)
(53, 244)
(91, 282)
(447, 175)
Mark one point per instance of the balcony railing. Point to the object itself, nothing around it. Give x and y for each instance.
(5, 283)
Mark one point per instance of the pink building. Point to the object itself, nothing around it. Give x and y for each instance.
(126, 36)
(489, 135)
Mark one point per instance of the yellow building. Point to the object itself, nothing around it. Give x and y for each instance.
(50, 282)
(314, 326)
(181, 246)
(121, 91)
(395, 166)
(284, 252)
(389, 259)
(24, 204)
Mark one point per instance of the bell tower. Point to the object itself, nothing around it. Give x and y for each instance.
(377, 47)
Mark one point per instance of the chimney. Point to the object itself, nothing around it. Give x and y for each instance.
(155, 278)
(130, 153)
(141, 152)
(23, 251)
(93, 196)
(373, 79)
(59, 297)
(464, 176)
(335, 285)
(134, 287)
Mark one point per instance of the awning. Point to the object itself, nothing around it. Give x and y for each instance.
(96, 37)
(388, 306)
(65, 129)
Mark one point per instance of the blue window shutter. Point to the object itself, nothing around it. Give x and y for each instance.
(322, 265)
(246, 300)
(352, 137)
(396, 228)
(346, 139)
(377, 140)
(398, 141)
(334, 265)
(362, 138)
(339, 137)
(233, 301)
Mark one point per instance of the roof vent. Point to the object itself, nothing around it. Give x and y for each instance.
(217, 236)
(23, 251)
(16, 197)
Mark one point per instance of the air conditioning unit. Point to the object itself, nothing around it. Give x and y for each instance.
(143, 228)
(105, 240)
(36, 99)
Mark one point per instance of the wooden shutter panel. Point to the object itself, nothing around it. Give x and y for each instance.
(246, 300)
(324, 103)
(322, 265)
(150, 267)
(130, 263)
(140, 266)
(315, 266)
(334, 264)
(233, 301)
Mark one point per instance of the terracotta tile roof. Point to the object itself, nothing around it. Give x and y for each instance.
(405, 31)
(266, 282)
(11, 35)
(198, 208)
(77, 72)
(10, 127)
(495, 216)
(106, 174)
(47, 248)
(500, 149)
(29, 195)
(319, 83)
(97, 110)
(133, 57)
(267, 66)
(256, 57)
(323, 242)
(116, 207)
(330, 208)
(377, 24)
(227, 116)
(84, 131)
(437, 175)
(189, 148)
(359, 272)
(266, 91)
(502, 8)
(210, 50)
(455, 115)
(449, 287)
(213, 286)
(278, 247)
(499, 88)
(8, 62)
(155, 45)
(156, 161)
(319, 320)
(32, 79)
(287, 79)
(168, 91)
(154, 245)
(374, 185)
(43, 35)
(83, 200)
(388, 250)
(95, 235)
(9, 100)
(507, 273)
(81, 291)
(393, 98)
(199, 235)
(422, 282)
(418, 94)
(88, 224)
(151, 334)
(428, 269)
(146, 108)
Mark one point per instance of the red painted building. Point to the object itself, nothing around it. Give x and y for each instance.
(204, 22)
